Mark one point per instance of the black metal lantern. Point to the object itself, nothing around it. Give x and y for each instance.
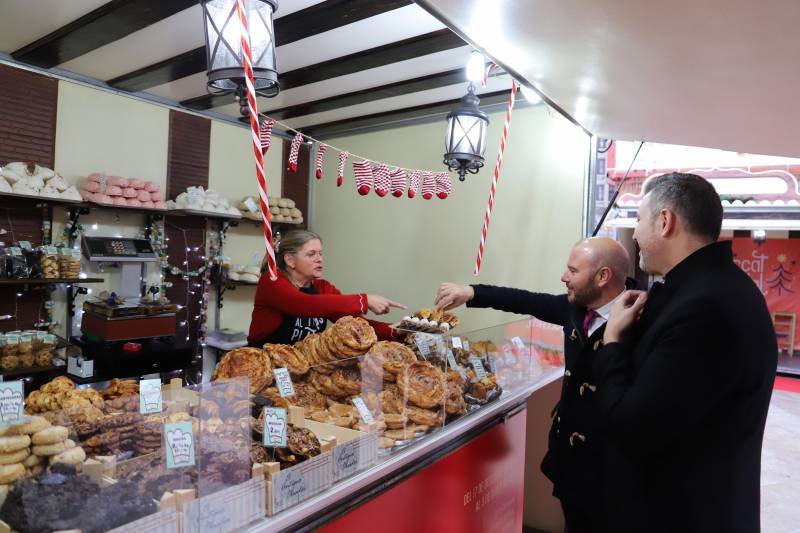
(466, 136)
(223, 48)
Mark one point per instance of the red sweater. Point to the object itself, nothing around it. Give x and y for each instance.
(276, 299)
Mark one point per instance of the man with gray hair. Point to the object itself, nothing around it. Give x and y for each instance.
(686, 372)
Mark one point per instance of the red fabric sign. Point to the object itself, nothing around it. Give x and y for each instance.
(773, 265)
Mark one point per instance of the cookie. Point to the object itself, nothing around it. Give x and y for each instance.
(51, 435)
(71, 457)
(31, 461)
(34, 470)
(33, 425)
(11, 473)
(14, 457)
(13, 443)
(46, 450)
(4, 490)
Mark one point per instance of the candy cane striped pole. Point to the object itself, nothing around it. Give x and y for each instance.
(496, 178)
(247, 61)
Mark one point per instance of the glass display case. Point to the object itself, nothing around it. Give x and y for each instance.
(278, 434)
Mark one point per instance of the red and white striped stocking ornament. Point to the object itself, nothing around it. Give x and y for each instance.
(380, 175)
(265, 134)
(363, 176)
(398, 178)
(413, 189)
(296, 142)
(444, 185)
(342, 159)
(428, 185)
(320, 152)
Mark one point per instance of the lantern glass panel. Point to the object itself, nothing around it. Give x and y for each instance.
(223, 44)
(466, 134)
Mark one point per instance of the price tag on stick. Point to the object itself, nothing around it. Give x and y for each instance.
(12, 401)
(284, 382)
(366, 415)
(480, 372)
(274, 427)
(179, 442)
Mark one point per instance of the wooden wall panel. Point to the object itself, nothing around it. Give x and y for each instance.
(295, 185)
(188, 152)
(28, 104)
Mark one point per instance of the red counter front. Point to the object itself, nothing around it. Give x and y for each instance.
(477, 488)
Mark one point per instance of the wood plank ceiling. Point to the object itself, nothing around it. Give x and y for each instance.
(344, 65)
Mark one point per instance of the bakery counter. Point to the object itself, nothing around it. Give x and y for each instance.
(400, 475)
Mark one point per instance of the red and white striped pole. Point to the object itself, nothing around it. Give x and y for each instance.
(247, 62)
(496, 177)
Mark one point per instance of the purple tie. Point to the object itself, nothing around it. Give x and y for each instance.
(591, 314)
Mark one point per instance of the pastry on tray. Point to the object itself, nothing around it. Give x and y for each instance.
(430, 321)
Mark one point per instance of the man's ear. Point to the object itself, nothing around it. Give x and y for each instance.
(667, 222)
(604, 276)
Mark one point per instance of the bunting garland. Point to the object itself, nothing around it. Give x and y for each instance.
(342, 160)
(294, 151)
(320, 153)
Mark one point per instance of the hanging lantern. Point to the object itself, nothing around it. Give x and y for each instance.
(466, 136)
(223, 48)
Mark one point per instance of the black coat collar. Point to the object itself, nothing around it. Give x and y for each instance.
(716, 253)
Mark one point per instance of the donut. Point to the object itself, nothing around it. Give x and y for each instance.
(130, 192)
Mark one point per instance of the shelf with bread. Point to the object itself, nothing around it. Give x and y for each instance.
(283, 211)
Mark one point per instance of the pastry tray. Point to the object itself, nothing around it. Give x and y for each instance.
(399, 326)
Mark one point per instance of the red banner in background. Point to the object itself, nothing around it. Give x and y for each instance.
(773, 265)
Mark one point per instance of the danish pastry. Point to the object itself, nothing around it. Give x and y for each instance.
(284, 356)
(247, 362)
(423, 384)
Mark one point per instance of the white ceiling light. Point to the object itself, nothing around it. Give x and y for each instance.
(476, 66)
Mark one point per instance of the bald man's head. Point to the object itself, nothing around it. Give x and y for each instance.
(596, 271)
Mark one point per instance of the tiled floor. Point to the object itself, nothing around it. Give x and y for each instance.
(780, 465)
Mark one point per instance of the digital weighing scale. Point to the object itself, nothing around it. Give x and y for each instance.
(132, 319)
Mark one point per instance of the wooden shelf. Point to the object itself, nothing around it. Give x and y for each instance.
(50, 281)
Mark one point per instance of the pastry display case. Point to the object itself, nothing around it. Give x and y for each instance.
(281, 437)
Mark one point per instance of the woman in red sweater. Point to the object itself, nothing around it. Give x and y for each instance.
(300, 302)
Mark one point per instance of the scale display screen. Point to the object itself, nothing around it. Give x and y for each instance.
(118, 249)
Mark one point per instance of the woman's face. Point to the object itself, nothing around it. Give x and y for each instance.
(307, 262)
